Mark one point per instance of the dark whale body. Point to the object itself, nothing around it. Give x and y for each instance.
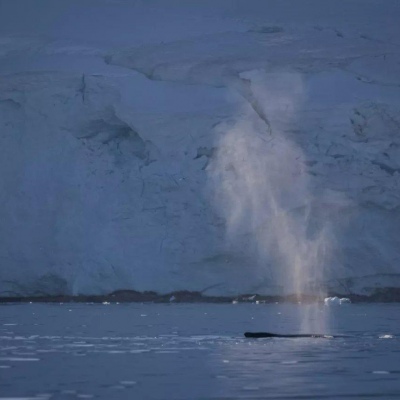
(277, 335)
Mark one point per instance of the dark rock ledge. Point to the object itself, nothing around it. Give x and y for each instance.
(383, 295)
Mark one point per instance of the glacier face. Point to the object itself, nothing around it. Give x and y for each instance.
(214, 152)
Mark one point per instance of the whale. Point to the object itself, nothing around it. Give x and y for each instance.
(257, 335)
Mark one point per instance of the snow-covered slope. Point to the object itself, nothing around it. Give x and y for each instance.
(237, 146)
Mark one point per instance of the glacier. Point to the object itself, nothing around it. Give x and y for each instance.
(115, 168)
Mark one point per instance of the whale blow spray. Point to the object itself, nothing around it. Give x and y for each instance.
(262, 190)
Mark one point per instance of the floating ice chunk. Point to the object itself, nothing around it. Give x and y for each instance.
(128, 383)
(386, 337)
(172, 298)
(335, 301)
(332, 301)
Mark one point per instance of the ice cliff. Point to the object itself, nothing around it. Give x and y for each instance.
(155, 146)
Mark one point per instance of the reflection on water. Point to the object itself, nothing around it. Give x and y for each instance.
(195, 352)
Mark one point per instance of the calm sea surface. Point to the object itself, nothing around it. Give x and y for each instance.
(196, 351)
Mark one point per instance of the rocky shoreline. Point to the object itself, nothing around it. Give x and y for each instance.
(381, 295)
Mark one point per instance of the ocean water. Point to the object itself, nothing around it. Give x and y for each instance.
(196, 351)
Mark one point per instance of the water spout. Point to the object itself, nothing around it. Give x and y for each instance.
(262, 189)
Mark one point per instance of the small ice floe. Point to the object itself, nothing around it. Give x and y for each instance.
(19, 359)
(128, 383)
(235, 302)
(172, 298)
(250, 387)
(332, 301)
(386, 337)
(106, 303)
(335, 301)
